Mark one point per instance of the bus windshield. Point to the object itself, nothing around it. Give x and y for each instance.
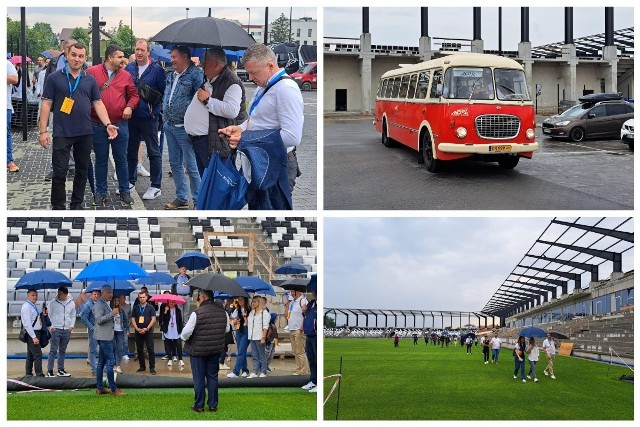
(478, 83)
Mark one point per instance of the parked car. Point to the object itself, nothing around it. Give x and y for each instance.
(242, 73)
(592, 118)
(307, 76)
(626, 133)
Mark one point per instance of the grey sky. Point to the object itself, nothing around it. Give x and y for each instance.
(431, 263)
(147, 21)
(401, 25)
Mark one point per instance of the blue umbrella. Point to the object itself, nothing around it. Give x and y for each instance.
(445, 334)
(532, 332)
(112, 269)
(157, 278)
(193, 261)
(43, 279)
(291, 268)
(255, 284)
(158, 53)
(120, 287)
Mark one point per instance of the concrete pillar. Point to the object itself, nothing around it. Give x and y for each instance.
(569, 73)
(424, 48)
(524, 53)
(365, 72)
(610, 55)
(477, 46)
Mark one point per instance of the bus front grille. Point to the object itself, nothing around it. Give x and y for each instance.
(497, 126)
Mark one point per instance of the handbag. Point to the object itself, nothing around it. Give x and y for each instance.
(22, 336)
(46, 337)
(149, 94)
(223, 187)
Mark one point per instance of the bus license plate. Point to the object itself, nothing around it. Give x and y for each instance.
(499, 148)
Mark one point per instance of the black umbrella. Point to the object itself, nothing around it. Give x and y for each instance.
(205, 31)
(295, 285)
(217, 282)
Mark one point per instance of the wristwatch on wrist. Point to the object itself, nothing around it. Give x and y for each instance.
(107, 125)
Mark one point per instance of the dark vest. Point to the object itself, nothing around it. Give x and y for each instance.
(220, 86)
(208, 336)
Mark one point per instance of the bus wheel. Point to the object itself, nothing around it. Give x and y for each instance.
(576, 134)
(306, 86)
(386, 141)
(433, 165)
(508, 162)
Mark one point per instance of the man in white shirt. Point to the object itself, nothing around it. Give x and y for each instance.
(32, 323)
(276, 104)
(549, 346)
(495, 343)
(296, 331)
(220, 102)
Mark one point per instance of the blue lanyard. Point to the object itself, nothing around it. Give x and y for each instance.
(273, 81)
(66, 69)
(35, 308)
(142, 309)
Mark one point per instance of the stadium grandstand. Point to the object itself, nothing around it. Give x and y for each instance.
(576, 280)
(235, 246)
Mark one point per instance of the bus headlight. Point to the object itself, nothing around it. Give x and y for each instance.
(461, 132)
(530, 134)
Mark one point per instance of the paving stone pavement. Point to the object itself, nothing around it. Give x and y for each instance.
(28, 189)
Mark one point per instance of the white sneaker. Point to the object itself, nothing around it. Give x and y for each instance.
(546, 374)
(152, 193)
(535, 380)
(524, 381)
(125, 357)
(553, 377)
(169, 363)
(165, 357)
(142, 171)
(515, 377)
(528, 377)
(244, 374)
(262, 375)
(308, 386)
(231, 375)
(175, 358)
(131, 187)
(313, 390)
(252, 375)
(286, 328)
(224, 367)
(181, 363)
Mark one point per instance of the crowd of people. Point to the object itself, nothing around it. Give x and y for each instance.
(200, 111)
(205, 333)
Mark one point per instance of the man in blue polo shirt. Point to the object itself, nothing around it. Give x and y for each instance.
(70, 93)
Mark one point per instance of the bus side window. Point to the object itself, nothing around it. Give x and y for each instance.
(395, 89)
(412, 86)
(423, 85)
(383, 88)
(437, 80)
(404, 87)
(387, 91)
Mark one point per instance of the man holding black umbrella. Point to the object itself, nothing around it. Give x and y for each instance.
(204, 336)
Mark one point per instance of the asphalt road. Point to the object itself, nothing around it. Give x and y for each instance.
(361, 173)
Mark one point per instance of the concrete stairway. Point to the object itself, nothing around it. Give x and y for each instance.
(177, 238)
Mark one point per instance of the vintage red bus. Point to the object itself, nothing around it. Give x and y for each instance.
(459, 105)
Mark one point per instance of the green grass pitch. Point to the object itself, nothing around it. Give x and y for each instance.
(410, 382)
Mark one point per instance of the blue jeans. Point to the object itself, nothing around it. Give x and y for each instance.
(118, 351)
(204, 370)
(93, 352)
(495, 352)
(147, 131)
(101, 144)
(311, 348)
(532, 368)
(58, 346)
(259, 357)
(9, 140)
(181, 155)
(242, 343)
(519, 366)
(106, 359)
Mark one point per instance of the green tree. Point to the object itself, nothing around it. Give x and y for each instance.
(329, 322)
(280, 30)
(123, 37)
(81, 36)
